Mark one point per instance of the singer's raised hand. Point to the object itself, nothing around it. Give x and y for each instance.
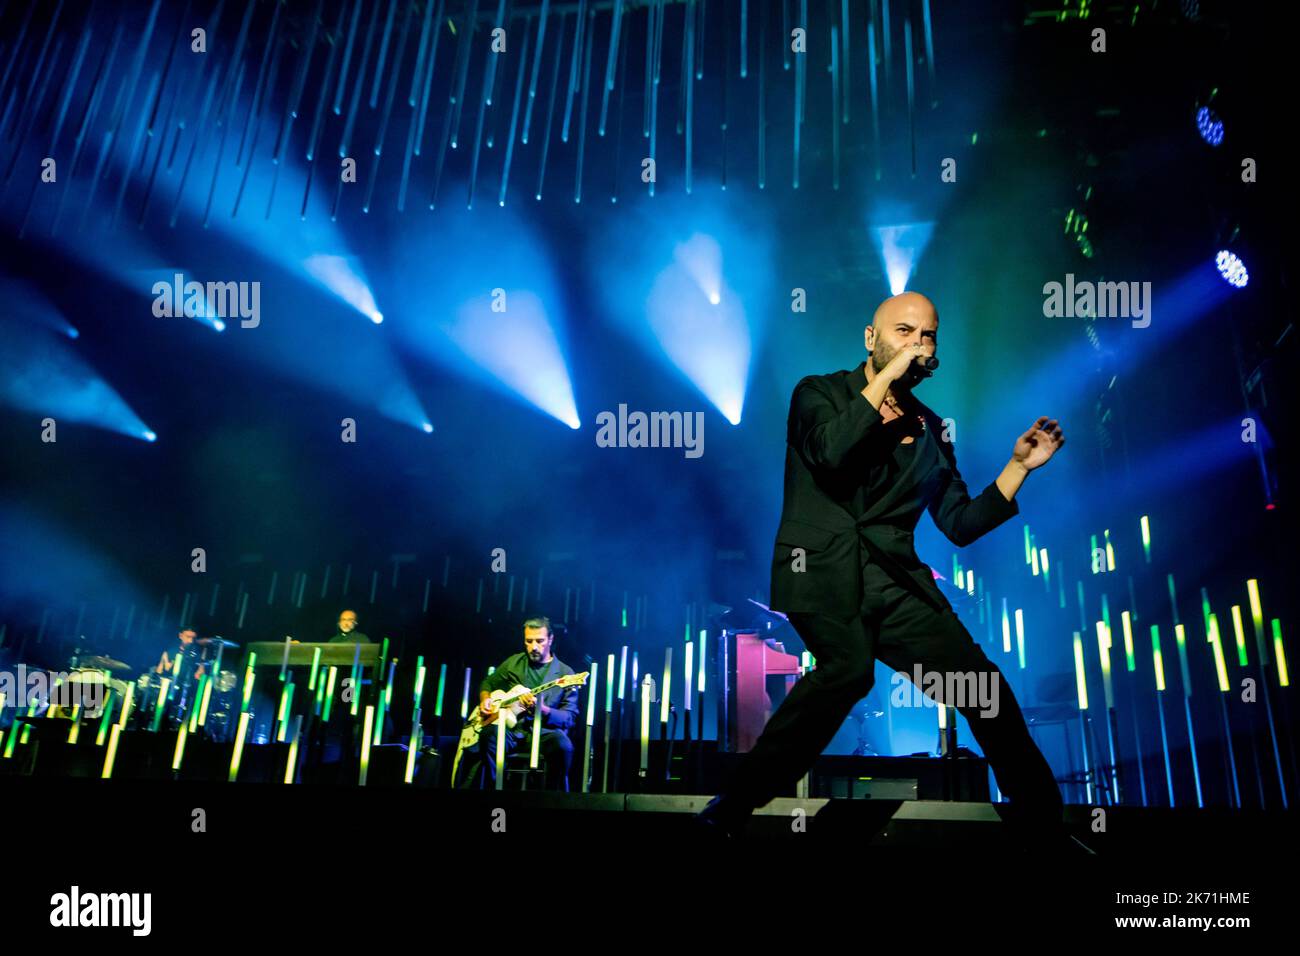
(1038, 444)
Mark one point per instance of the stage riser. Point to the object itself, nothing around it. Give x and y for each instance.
(441, 824)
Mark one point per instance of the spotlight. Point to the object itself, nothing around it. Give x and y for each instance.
(23, 299)
(901, 247)
(684, 299)
(1209, 126)
(149, 436)
(219, 325)
(519, 348)
(428, 428)
(55, 381)
(710, 346)
(701, 257)
(342, 276)
(1232, 269)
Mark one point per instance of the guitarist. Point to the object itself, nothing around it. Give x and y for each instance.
(532, 667)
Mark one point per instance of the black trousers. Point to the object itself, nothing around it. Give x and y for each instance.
(478, 765)
(902, 630)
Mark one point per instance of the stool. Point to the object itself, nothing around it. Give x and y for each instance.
(517, 765)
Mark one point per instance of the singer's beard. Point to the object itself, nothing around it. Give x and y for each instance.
(883, 355)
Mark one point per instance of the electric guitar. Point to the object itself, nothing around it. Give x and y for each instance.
(509, 705)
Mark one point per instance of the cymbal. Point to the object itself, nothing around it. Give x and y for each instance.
(101, 663)
(216, 642)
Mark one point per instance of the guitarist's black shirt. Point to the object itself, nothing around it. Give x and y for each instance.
(537, 676)
(518, 669)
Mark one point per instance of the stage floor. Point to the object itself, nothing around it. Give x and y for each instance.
(228, 850)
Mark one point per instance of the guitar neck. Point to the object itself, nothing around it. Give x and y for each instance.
(535, 691)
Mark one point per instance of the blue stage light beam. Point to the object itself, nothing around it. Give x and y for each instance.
(519, 348)
(50, 380)
(259, 200)
(703, 262)
(343, 277)
(124, 257)
(487, 278)
(24, 301)
(311, 248)
(298, 241)
(701, 257)
(276, 340)
(260, 205)
(1194, 456)
(352, 361)
(901, 247)
(1117, 346)
(1177, 305)
(701, 327)
(396, 398)
(304, 242)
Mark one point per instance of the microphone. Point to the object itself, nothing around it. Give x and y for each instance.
(922, 367)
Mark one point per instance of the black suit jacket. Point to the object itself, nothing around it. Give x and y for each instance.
(828, 459)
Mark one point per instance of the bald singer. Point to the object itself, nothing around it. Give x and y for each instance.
(864, 457)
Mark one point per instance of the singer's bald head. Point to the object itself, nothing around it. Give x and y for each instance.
(905, 305)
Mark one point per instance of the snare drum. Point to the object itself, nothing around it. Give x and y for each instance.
(146, 691)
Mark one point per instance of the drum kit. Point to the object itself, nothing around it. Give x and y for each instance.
(223, 708)
(87, 687)
(91, 678)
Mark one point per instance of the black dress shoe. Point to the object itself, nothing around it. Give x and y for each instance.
(721, 819)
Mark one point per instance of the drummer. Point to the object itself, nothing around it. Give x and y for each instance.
(184, 648)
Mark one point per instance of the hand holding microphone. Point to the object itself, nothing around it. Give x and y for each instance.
(911, 362)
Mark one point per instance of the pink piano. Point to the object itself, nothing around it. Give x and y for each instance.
(759, 675)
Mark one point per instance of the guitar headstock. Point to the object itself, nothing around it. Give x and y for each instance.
(573, 680)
